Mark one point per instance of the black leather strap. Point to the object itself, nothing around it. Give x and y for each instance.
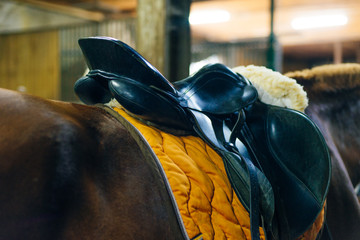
(232, 168)
(241, 171)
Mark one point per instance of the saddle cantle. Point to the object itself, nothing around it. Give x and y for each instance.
(276, 158)
(113, 56)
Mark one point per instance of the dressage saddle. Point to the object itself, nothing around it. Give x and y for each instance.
(276, 158)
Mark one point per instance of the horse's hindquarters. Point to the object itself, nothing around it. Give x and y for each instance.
(70, 171)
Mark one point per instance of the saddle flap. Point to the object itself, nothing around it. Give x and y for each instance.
(216, 89)
(300, 148)
(303, 165)
(289, 149)
(145, 103)
(113, 56)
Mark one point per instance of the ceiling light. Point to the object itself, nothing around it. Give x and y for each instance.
(319, 21)
(208, 16)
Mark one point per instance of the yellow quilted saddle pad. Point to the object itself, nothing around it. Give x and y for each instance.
(196, 174)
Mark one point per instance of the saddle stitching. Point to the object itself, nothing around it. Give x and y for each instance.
(232, 196)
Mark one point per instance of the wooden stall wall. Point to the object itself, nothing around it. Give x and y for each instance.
(232, 54)
(72, 63)
(29, 62)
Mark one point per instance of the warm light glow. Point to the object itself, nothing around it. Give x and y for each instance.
(319, 21)
(208, 16)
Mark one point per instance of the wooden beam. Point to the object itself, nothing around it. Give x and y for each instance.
(150, 35)
(67, 10)
(109, 6)
(163, 35)
(123, 5)
(337, 52)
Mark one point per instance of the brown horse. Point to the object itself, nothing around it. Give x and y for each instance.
(334, 104)
(61, 176)
(71, 171)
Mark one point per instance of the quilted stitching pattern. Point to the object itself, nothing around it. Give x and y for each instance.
(197, 176)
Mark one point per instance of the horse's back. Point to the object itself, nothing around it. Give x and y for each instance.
(69, 171)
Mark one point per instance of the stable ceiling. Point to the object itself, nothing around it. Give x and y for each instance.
(251, 19)
(248, 19)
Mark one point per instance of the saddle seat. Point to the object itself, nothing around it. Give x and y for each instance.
(276, 158)
(142, 82)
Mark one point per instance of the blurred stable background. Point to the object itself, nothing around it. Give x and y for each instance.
(39, 53)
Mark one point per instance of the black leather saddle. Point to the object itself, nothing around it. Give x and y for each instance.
(276, 158)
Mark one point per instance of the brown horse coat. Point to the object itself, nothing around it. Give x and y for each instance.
(69, 171)
(334, 104)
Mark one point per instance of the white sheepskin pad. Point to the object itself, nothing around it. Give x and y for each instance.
(275, 88)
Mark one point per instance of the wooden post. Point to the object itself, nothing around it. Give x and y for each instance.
(150, 31)
(178, 43)
(358, 53)
(273, 55)
(337, 52)
(163, 36)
